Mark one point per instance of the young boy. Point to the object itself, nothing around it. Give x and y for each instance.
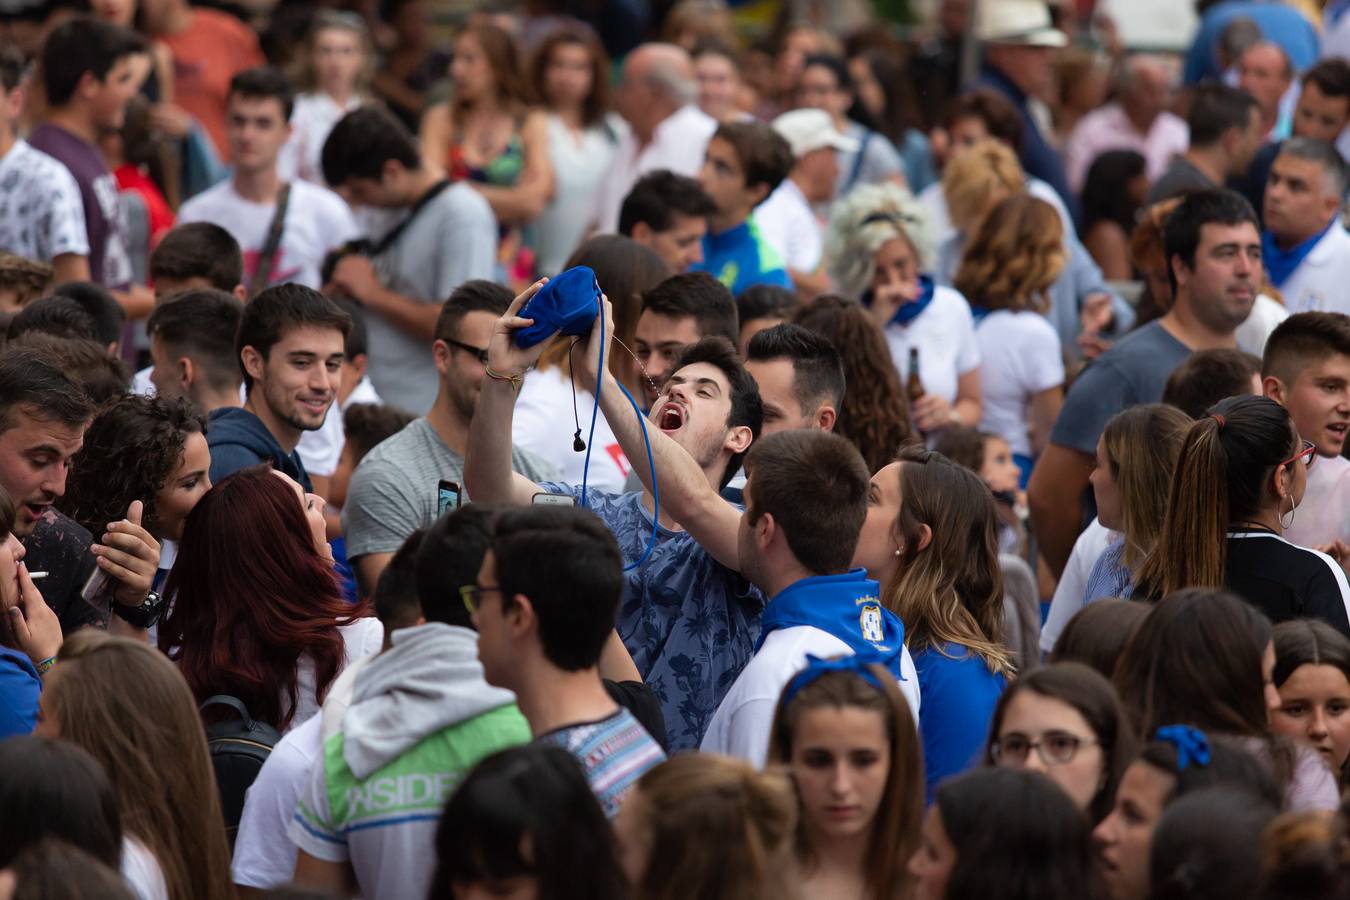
(1306, 369)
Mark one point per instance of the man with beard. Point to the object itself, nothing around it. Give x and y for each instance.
(394, 491)
(290, 347)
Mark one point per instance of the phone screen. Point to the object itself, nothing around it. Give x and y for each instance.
(447, 497)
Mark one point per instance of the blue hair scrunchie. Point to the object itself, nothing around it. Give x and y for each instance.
(857, 663)
(1191, 744)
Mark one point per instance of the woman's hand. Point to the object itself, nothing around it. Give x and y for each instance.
(932, 413)
(130, 556)
(30, 625)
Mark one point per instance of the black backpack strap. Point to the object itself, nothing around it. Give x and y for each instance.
(267, 257)
(396, 232)
(233, 703)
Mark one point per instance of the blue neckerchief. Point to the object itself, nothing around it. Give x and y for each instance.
(847, 606)
(978, 312)
(908, 312)
(1280, 264)
(1333, 11)
(856, 663)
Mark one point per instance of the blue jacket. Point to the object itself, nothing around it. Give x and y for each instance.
(1039, 159)
(19, 690)
(238, 439)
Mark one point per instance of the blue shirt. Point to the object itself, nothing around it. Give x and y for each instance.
(1039, 159)
(740, 258)
(689, 622)
(959, 694)
(1279, 24)
(19, 690)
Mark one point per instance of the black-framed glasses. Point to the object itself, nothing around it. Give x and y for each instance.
(471, 594)
(481, 355)
(1307, 454)
(1055, 748)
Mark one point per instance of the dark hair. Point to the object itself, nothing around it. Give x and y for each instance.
(1309, 642)
(52, 869)
(1215, 108)
(700, 295)
(198, 250)
(817, 370)
(1208, 376)
(1208, 846)
(102, 378)
(1231, 764)
(766, 301)
(201, 325)
(265, 83)
(658, 196)
(475, 295)
(395, 600)
(891, 64)
(1001, 119)
(30, 379)
(368, 424)
(94, 299)
(450, 556)
(1097, 634)
(130, 450)
(873, 414)
(7, 514)
(566, 561)
(1222, 476)
(1092, 697)
(1017, 836)
(835, 65)
(746, 407)
(1303, 340)
(1332, 77)
(1105, 191)
(596, 104)
(56, 789)
(534, 796)
(55, 315)
(259, 598)
(815, 485)
(1196, 660)
(1181, 231)
(358, 339)
(764, 154)
(362, 142)
(12, 65)
(279, 309)
(83, 44)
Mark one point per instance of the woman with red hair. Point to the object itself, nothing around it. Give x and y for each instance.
(256, 609)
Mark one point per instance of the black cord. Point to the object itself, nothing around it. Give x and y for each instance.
(577, 443)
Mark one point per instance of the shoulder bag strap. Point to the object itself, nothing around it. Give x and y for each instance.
(263, 273)
(396, 232)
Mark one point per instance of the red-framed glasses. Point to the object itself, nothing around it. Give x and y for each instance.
(1307, 454)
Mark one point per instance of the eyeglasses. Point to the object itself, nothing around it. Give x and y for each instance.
(1055, 748)
(1307, 454)
(480, 355)
(471, 594)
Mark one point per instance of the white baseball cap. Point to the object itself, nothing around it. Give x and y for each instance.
(810, 129)
(1024, 22)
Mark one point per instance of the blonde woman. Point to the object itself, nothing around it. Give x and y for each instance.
(877, 250)
(1016, 253)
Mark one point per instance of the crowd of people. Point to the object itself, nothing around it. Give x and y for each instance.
(642, 450)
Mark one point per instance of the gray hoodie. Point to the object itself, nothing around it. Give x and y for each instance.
(428, 680)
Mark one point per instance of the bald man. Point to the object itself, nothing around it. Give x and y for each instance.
(657, 98)
(1138, 120)
(1264, 71)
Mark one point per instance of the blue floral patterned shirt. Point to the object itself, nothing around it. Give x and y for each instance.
(689, 621)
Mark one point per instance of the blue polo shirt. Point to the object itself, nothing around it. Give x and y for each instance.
(740, 258)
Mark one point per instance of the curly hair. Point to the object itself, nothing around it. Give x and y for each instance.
(873, 414)
(130, 450)
(1014, 257)
(986, 171)
(864, 221)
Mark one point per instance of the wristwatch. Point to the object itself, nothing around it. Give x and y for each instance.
(143, 616)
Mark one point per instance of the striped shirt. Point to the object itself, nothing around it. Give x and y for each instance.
(615, 752)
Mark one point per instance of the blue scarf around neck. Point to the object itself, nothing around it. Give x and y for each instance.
(847, 606)
(1280, 264)
(908, 312)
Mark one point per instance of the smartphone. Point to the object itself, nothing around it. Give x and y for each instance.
(542, 499)
(447, 497)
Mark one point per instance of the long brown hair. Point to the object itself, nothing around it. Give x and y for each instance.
(873, 415)
(718, 830)
(1223, 476)
(1142, 445)
(951, 590)
(1014, 257)
(895, 830)
(128, 706)
(597, 102)
(508, 74)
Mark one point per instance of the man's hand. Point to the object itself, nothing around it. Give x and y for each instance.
(30, 624)
(354, 275)
(173, 120)
(130, 556)
(590, 369)
(504, 356)
(1338, 551)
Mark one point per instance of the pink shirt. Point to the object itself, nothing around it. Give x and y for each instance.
(1109, 128)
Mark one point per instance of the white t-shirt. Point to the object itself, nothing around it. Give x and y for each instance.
(945, 336)
(1068, 598)
(141, 871)
(41, 212)
(789, 225)
(361, 638)
(321, 449)
(317, 222)
(581, 163)
(311, 121)
(1020, 356)
(742, 723)
(1266, 315)
(264, 854)
(543, 425)
(1324, 514)
(1318, 284)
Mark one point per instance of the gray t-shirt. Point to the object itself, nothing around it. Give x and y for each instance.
(393, 491)
(451, 241)
(1180, 178)
(1133, 371)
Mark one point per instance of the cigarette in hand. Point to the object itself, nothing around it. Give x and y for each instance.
(36, 575)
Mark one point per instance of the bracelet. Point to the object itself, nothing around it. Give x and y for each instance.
(513, 380)
(45, 666)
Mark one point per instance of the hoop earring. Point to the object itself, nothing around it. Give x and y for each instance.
(1292, 507)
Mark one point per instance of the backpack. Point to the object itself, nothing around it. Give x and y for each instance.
(239, 747)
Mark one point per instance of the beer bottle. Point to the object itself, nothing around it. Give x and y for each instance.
(914, 384)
